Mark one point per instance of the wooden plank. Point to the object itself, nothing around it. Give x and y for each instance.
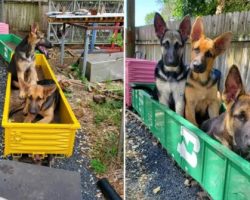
(21, 1)
(208, 25)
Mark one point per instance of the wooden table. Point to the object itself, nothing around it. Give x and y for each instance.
(88, 23)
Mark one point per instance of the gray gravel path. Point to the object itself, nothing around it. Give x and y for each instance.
(3, 78)
(148, 167)
(77, 162)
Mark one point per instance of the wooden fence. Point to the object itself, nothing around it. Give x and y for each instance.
(21, 14)
(238, 23)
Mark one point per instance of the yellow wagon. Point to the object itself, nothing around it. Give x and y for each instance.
(42, 139)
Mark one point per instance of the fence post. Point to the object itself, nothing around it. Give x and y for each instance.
(2, 12)
(130, 32)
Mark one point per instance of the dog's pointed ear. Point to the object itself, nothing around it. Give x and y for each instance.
(222, 42)
(160, 25)
(197, 30)
(233, 85)
(34, 28)
(185, 28)
(49, 90)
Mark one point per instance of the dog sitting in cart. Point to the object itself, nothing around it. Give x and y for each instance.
(41, 97)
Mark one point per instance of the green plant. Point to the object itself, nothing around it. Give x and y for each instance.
(108, 112)
(68, 94)
(104, 152)
(108, 82)
(75, 67)
(98, 166)
(117, 39)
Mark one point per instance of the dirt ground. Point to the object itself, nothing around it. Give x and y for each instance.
(80, 99)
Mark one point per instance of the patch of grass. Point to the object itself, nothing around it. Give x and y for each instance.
(98, 166)
(68, 94)
(108, 112)
(118, 92)
(108, 82)
(104, 152)
(115, 88)
(83, 79)
(75, 67)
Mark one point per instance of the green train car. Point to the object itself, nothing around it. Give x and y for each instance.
(222, 173)
(8, 42)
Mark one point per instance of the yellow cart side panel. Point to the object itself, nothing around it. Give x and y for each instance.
(33, 138)
(39, 141)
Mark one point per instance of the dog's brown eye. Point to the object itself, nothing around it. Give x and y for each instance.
(208, 54)
(39, 98)
(241, 116)
(197, 50)
(176, 45)
(166, 44)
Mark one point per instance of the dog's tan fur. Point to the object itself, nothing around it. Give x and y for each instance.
(36, 96)
(22, 65)
(232, 127)
(201, 92)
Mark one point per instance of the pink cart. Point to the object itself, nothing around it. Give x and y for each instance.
(138, 70)
(4, 28)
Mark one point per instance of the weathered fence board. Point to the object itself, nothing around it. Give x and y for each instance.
(238, 23)
(21, 15)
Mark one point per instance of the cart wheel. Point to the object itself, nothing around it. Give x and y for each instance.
(48, 161)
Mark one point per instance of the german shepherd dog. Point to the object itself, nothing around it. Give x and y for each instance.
(201, 88)
(170, 72)
(232, 128)
(41, 99)
(22, 64)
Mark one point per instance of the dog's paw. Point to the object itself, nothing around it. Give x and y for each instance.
(25, 112)
(22, 94)
(33, 82)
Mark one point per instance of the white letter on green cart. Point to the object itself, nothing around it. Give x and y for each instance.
(189, 139)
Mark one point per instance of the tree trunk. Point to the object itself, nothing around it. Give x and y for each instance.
(220, 7)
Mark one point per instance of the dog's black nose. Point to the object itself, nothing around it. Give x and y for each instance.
(199, 68)
(33, 111)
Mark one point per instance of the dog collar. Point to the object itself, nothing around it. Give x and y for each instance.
(178, 77)
(172, 69)
(213, 78)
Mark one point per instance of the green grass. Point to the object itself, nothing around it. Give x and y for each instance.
(108, 112)
(68, 94)
(115, 88)
(104, 152)
(76, 68)
(98, 166)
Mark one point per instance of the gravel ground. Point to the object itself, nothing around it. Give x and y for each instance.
(3, 78)
(77, 162)
(150, 172)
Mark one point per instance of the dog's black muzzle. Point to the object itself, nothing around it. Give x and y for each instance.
(198, 67)
(45, 43)
(170, 59)
(242, 138)
(33, 108)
